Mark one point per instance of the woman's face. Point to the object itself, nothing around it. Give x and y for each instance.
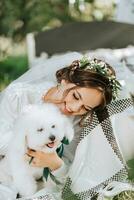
(79, 100)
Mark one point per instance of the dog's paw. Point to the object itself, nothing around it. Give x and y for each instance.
(28, 189)
(25, 187)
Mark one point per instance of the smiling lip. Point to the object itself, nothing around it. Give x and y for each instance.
(50, 145)
(66, 110)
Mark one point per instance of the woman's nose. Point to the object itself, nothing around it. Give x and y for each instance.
(76, 107)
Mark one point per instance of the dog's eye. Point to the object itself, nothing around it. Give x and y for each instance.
(40, 130)
(53, 126)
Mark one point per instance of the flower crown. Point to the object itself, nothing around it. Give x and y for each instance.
(100, 67)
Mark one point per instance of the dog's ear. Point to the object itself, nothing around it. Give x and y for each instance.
(69, 131)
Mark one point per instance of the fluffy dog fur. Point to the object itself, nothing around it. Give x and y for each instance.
(33, 129)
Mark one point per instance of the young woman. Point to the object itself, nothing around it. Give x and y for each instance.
(93, 159)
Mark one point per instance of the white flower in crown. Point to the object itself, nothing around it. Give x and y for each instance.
(100, 67)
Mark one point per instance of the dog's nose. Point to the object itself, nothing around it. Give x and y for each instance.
(52, 137)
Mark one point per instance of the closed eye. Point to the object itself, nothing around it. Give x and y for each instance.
(88, 109)
(77, 98)
(40, 130)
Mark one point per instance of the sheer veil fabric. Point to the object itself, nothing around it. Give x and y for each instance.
(101, 153)
(46, 70)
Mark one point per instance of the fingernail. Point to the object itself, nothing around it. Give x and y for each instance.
(32, 150)
(28, 155)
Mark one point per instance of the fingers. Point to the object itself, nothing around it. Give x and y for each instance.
(33, 157)
(31, 153)
(34, 162)
(40, 159)
(28, 158)
(31, 160)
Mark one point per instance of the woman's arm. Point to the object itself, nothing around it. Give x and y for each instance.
(51, 160)
(41, 159)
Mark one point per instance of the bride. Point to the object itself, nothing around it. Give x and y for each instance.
(85, 90)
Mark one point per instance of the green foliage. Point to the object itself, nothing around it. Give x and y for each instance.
(11, 68)
(127, 195)
(20, 17)
(131, 169)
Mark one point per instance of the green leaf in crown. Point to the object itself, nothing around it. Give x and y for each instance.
(100, 67)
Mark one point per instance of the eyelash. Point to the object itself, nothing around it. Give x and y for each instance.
(75, 96)
(86, 109)
(78, 99)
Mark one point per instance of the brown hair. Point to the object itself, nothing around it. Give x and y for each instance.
(87, 78)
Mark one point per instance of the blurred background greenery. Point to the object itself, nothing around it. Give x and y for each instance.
(17, 18)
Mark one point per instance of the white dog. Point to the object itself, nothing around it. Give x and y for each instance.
(39, 127)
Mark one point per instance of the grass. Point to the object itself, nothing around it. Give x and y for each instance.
(11, 68)
(131, 169)
(128, 195)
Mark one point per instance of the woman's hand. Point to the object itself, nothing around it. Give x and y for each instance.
(41, 159)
